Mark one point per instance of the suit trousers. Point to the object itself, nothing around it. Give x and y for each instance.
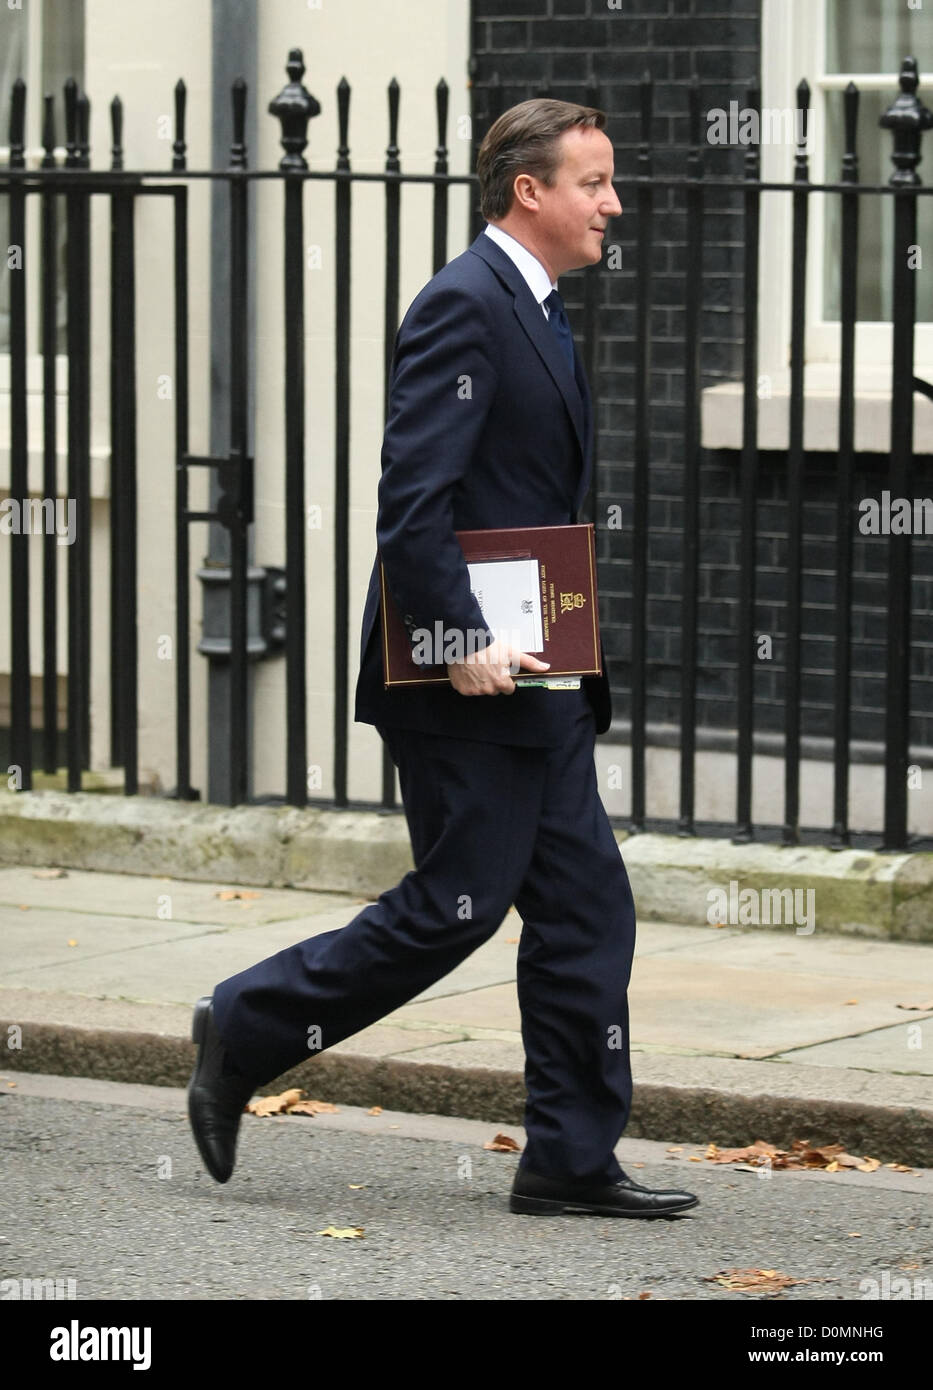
(490, 825)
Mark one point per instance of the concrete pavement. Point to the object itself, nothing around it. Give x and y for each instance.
(738, 1032)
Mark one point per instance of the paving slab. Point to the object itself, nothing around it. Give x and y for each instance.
(36, 941)
(904, 1048)
(142, 895)
(493, 1007)
(747, 1012)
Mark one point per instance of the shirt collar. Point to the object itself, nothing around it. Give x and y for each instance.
(533, 272)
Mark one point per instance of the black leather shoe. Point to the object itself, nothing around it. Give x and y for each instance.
(216, 1098)
(534, 1195)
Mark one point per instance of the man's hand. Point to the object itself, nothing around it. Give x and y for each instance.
(488, 672)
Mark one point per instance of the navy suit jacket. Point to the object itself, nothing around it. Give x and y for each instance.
(486, 428)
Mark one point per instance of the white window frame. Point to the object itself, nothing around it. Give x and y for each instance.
(793, 45)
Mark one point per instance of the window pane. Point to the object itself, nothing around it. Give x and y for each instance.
(872, 36)
(875, 35)
(876, 214)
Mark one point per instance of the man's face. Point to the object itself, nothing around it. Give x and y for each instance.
(574, 211)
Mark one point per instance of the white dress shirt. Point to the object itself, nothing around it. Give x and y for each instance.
(533, 272)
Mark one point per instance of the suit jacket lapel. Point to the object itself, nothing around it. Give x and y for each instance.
(528, 312)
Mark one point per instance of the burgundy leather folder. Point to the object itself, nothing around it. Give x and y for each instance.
(536, 584)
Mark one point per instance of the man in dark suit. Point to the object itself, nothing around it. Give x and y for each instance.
(489, 425)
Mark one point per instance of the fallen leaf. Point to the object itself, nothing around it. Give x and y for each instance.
(228, 895)
(511, 941)
(899, 1167)
(24, 907)
(311, 1107)
(831, 1158)
(923, 1008)
(274, 1105)
(376, 1110)
(855, 1234)
(675, 1148)
(694, 1159)
(850, 1001)
(503, 1144)
(343, 1232)
(11, 1084)
(764, 1280)
(355, 1186)
(72, 942)
(750, 1154)
(644, 1295)
(50, 873)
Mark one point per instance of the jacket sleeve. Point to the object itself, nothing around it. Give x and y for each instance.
(443, 382)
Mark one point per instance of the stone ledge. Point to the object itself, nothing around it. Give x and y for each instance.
(856, 892)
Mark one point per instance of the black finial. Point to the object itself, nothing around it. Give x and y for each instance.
(343, 123)
(48, 131)
(753, 153)
(84, 130)
(850, 100)
(71, 123)
(116, 133)
(908, 118)
(18, 125)
(392, 153)
(801, 115)
(442, 102)
(294, 106)
(695, 121)
(179, 148)
(238, 146)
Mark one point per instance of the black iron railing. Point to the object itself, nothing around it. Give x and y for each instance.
(75, 183)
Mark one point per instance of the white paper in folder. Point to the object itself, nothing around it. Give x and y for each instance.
(509, 594)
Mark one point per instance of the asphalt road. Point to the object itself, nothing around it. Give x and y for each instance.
(102, 1184)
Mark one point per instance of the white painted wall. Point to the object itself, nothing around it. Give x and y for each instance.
(417, 42)
(139, 51)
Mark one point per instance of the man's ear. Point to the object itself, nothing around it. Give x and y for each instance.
(525, 191)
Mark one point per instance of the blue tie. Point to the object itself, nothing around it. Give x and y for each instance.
(557, 321)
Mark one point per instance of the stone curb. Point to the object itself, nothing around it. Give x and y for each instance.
(674, 879)
(670, 1112)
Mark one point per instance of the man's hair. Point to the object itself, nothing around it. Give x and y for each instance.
(524, 141)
